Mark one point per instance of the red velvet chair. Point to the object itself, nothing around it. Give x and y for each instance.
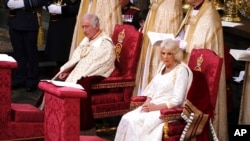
(198, 112)
(17, 121)
(111, 96)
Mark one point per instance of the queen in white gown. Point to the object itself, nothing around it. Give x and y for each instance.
(167, 89)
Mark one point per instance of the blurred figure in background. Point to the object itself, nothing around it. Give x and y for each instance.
(23, 30)
(61, 27)
(139, 19)
(142, 4)
(128, 11)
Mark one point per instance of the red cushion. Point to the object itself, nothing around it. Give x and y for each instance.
(91, 138)
(26, 113)
(138, 98)
(176, 110)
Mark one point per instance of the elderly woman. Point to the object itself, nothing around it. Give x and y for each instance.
(167, 89)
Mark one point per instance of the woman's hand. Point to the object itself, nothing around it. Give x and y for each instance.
(152, 107)
(149, 107)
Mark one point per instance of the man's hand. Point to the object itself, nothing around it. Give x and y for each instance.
(63, 76)
(55, 9)
(15, 4)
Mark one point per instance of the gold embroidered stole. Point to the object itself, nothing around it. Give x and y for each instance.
(93, 6)
(192, 21)
(149, 27)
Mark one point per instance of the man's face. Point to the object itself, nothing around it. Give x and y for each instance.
(88, 29)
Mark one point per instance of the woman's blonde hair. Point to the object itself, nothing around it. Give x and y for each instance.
(174, 47)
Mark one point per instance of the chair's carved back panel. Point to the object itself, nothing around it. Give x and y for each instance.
(128, 46)
(210, 64)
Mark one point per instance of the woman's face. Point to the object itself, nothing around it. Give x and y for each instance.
(167, 57)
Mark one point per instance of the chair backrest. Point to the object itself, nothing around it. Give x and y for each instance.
(210, 64)
(128, 46)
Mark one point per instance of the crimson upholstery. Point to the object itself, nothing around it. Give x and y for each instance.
(111, 96)
(229, 74)
(26, 113)
(200, 101)
(91, 138)
(17, 121)
(62, 113)
(211, 67)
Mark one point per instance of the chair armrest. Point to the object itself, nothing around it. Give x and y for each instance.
(171, 114)
(114, 82)
(137, 101)
(62, 91)
(138, 98)
(176, 126)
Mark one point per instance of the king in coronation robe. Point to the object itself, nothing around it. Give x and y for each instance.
(108, 12)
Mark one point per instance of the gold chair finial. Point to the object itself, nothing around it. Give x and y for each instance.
(199, 63)
(118, 46)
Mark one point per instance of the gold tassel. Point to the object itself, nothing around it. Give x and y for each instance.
(40, 37)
